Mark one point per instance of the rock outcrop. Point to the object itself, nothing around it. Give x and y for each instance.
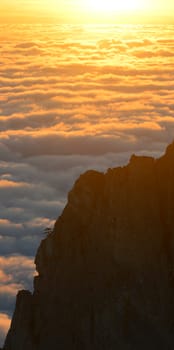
(106, 273)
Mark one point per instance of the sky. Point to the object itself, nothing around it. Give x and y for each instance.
(75, 11)
(72, 97)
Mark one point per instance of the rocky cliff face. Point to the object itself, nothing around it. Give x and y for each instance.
(106, 274)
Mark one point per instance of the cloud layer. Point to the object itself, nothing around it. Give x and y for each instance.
(72, 98)
(4, 326)
(16, 273)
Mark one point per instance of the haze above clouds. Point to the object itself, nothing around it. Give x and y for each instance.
(72, 98)
(86, 11)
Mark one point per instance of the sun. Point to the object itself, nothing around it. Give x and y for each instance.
(114, 5)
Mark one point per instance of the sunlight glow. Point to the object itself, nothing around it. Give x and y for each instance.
(86, 11)
(114, 5)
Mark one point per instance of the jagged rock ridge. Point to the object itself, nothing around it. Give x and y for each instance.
(106, 274)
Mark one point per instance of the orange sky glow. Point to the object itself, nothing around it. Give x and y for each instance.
(74, 95)
(74, 11)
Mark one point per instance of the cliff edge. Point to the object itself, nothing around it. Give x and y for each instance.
(106, 273)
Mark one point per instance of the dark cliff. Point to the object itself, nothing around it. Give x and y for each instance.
(106, 273)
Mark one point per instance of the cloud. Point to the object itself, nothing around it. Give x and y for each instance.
(4, 326)
(16, 273)
(5, 183)
(72, 98)
(28, 146)
(151, 54)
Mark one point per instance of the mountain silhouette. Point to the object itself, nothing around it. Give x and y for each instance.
(106, 271)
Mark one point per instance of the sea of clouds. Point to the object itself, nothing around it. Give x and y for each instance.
(72, 98)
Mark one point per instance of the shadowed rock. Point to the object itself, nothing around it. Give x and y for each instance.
(106, 272)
